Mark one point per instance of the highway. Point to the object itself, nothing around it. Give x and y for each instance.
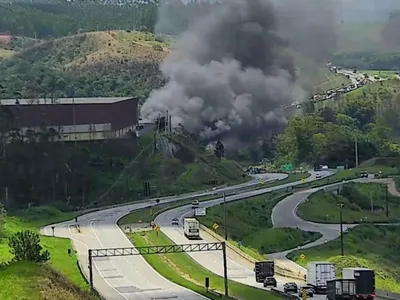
(128, 277)
(239, 269)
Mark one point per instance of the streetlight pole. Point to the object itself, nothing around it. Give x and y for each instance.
(356, 149)
(225, 227)
(341, 229)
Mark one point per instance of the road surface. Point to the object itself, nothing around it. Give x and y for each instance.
(239, 269)
(128, 277)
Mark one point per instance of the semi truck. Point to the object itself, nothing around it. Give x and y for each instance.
(365, 282)
(341, 289)
(191, 229)
(318, 274)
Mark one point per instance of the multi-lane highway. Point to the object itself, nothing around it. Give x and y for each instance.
(239, 269)
(128, 277)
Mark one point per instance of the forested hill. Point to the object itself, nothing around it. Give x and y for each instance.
(59, 18)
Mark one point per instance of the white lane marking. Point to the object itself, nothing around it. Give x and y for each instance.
(94, 263)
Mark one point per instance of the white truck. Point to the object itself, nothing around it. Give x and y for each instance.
(191, 229)
(318, 273)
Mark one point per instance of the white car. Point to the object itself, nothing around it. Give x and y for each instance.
(318, 175)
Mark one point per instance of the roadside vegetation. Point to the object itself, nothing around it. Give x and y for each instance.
(249, 222)
(362, 202)
(183, 270)
(367, 246)
(59, 278)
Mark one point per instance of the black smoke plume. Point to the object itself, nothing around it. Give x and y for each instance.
(228, 75)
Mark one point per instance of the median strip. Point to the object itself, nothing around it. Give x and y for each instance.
(181, 269)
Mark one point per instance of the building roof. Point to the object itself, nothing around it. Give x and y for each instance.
(42, 101)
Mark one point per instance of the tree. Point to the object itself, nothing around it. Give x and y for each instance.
(219, 149)
(25, 245)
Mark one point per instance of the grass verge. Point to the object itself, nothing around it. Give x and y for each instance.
(249, 221)
(362, 202)
(33, 219)
(181, 269)
(369, 246)
(33, 281)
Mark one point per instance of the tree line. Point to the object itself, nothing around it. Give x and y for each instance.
(46, 19)
(368, 60)
(41, 170)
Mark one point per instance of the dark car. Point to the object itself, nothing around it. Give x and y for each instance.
(364, 174)
(309, 290)
(290, 287)
(175, 221)
(270, 281)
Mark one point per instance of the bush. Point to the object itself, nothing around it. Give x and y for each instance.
(157, 48)
(25, 245)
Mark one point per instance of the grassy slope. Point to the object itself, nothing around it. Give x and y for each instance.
(31, 281)
(249, 221)
(183, 270)
(316, 78)
(88, 49)
(374, 247)
(356, 197)
(33, 219)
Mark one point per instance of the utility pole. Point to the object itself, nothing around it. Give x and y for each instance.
(341, 229)
(356, 149)
(74, 119)
(387, 202)
(225, 226)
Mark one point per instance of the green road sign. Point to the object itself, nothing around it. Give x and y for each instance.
(287, 167)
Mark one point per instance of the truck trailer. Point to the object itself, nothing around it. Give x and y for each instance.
(265, 271)
(341, 289)
(318, 274)
(191, 229)
(365, 282)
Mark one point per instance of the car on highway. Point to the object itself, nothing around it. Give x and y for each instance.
(175, 221)
(195, 204)
(364, 174)
(290, 287)
(269, 281)
(309, 291)
(318, 175)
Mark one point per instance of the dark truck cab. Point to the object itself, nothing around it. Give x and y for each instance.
(365, 282)
(265, 271)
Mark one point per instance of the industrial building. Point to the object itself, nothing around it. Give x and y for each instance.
(76, 119)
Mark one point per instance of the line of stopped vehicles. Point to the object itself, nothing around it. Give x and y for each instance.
(355, 284)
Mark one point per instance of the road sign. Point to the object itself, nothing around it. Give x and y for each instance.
(157, 228)
(201, 211)
(262, 182)
(303, 180)
(215, 226)
(302, 256)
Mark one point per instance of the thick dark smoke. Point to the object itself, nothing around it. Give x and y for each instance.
(228, 76)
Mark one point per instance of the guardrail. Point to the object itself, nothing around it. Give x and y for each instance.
(387, 295)
(283, 294)
(247, 257)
